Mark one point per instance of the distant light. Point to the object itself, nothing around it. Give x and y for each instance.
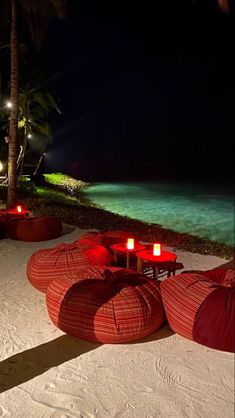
(29, 136)
(9, 104)
(1, 166)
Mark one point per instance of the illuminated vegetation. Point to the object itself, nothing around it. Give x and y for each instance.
(62, 180)
(54, 196)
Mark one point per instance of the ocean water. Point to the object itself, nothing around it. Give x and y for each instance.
(202, 210)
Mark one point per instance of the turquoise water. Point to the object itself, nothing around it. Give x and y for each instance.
(204, 211)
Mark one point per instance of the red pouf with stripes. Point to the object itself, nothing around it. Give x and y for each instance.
(201, 307)
(104, 306)
(108, 238)
(48, 264)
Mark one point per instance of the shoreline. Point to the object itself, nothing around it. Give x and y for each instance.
(65, 198)
(88, 216)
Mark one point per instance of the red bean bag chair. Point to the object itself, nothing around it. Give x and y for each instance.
(225, 277)
(3, 224)
(48, 264)
(109, 238)
(4, 214)
(32, 229)
(113, 308)
(201, 307)
(5, 217)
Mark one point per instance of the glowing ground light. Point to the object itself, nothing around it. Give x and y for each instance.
(1, 166)
(9, 104)
(19, 208)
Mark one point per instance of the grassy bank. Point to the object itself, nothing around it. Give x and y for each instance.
(62, 196)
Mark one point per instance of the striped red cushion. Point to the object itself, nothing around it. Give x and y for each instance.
(3, 224)
(229, 278)
(48, 264)
(113, 308)
(182, 296)
(201, 309)
(225, 277)
(109, 238)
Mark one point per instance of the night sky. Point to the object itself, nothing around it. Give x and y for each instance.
(146, 93)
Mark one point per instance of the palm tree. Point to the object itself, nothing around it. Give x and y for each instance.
(35, 104)
(37, 15)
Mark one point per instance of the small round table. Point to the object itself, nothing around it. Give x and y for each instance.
(159, 263)
(121, 249)
(24, 213)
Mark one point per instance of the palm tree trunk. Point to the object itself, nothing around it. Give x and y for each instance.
(21, 159)
(38, 164)
(26, 133)
(13, 129)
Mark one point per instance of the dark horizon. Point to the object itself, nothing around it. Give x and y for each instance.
(145, 93)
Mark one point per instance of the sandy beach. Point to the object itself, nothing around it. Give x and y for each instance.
(45, 373)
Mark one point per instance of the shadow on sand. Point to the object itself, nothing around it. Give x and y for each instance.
(28, 364)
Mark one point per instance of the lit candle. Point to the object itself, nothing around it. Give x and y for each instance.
(130, 244)
(156, 249)
(19, 209)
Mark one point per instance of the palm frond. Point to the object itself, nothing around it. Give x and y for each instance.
(224, 5)
(52, 102)
(21, 122)
(41, 127)
(38, 13)
(4, 46)
(39, 99)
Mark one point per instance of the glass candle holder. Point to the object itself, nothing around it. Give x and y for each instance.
(130, 244)
(157, 249)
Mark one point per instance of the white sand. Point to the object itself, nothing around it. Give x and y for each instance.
(44, 373)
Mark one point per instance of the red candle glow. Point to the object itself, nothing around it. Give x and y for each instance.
(130, 244)
(156, 249)
(19, 208)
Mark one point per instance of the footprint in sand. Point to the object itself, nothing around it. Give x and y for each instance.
(49, 386)
(4, 412)
(147, 389)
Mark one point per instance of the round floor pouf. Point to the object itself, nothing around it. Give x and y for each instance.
(5, 218)
(3, 225)
(201, 307)
(48, 264)
(116, 307)
(109, 238)
(34, 229)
